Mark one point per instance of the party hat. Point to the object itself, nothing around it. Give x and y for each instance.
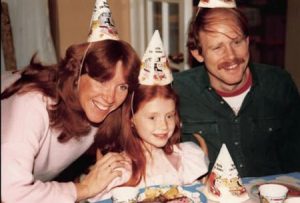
(102, 25)
(155, 68)
(224, 183)
(217, 4)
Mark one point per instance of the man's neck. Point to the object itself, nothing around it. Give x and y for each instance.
(229, 91)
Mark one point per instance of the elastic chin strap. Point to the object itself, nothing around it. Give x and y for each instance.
(131, 106)
(81, 64)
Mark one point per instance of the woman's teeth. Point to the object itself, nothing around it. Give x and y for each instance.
(100, 106)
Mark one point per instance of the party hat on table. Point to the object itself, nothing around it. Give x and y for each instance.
(102, 25)
(155, 68)
(224, 183)
(217, 4)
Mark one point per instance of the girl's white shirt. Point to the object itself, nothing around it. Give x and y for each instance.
(191, 164)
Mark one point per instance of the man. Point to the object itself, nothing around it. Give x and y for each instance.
(253, 108)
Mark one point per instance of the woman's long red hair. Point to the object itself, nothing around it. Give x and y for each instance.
(59, 82)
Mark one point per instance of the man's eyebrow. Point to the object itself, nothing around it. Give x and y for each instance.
(214, 44)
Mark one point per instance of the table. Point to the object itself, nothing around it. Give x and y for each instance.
(292, 179)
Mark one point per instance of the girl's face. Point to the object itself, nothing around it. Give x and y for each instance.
(98, 99)
(155, 122)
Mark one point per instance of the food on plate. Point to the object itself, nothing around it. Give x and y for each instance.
(172, 194)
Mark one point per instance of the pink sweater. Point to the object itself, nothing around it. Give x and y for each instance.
(31, 155)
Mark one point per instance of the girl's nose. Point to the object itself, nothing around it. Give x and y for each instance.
(162, 124)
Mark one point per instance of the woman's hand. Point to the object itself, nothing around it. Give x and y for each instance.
(101, 174)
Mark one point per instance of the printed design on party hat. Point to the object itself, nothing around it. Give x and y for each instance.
(224, 183)
(102, 25)
(217, 4)
(155, 68)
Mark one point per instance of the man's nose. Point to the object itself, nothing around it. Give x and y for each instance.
(229, 52)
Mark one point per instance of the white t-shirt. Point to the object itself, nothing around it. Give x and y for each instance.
(235, 102)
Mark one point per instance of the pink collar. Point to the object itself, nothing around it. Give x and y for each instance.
(238, 91)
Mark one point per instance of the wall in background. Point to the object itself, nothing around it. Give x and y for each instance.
(267, 23)
(70, 21)
(30, 32)
(292, 47)
(71, 18)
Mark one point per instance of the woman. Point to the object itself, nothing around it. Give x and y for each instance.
(51, 115)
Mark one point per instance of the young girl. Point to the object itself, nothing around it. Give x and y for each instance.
(151, 132)
(151, 139)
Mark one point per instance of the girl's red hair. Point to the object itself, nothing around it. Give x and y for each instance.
(131, 141)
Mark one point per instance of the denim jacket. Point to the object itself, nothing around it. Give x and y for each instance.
(263, 138)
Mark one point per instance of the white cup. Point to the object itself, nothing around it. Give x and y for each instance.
(272, 193)
(124, 194)
(292, 200)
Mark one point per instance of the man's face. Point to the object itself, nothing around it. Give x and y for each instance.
(225, 53)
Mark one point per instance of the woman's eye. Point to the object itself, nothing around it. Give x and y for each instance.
(124, 87)
(216, 48)
(151, 117)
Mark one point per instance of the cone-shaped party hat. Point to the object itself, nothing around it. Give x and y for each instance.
(102, 25)
(217, 4)
(224, 183)
(155, 68)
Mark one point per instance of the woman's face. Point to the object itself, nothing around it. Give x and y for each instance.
(98, 99)
(155, 122)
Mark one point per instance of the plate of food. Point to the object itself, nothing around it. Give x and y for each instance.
(171, 194)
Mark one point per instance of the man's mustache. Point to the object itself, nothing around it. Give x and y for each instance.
(226, 64)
